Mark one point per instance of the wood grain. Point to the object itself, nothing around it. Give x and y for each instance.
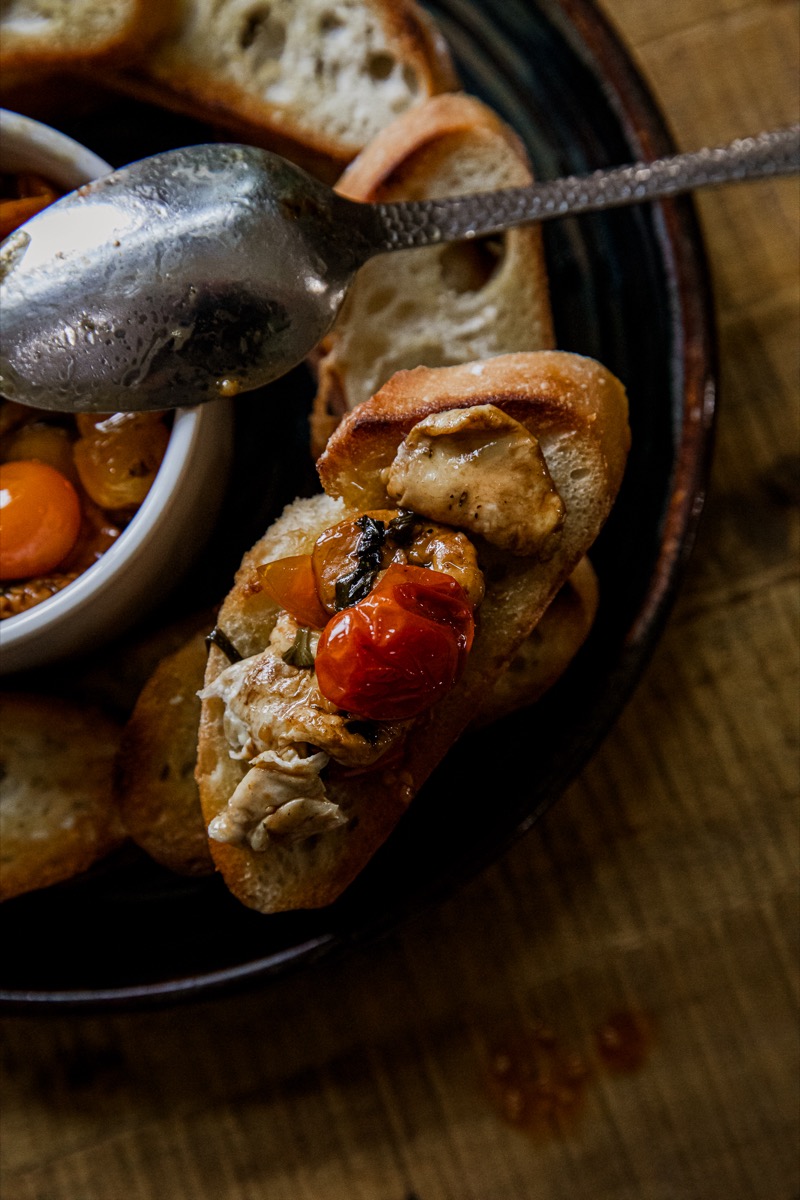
(469, 1056)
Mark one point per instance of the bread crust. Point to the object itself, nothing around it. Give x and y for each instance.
(580, 411)
(231, 120)
(386, 167)
(140, 23)
(551, 392)
(545, 654)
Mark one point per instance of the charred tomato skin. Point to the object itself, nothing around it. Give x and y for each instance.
(400, 649)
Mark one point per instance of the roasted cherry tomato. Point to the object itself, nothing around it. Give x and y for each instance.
(291, 583)
(338, 555)
(398, 650)
(40, 517)
(118, 460)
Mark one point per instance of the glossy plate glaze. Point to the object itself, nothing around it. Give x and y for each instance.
(629, 288)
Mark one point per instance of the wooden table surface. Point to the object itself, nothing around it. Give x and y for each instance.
(611, 1009)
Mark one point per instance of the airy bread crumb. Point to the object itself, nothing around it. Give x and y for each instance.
(439, 305)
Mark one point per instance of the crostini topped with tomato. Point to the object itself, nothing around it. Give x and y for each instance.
(363, 628)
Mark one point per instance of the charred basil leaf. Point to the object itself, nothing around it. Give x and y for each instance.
(401, 527)
(220, 639)
(359, 582)
(300, 653)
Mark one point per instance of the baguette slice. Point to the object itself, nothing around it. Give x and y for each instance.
(154, 778)
(548, 650)
(57, 815)
(578, 411)
(437, 305)
(313, 79)
(37, 36)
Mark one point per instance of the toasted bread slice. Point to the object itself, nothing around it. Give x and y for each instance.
(57, 812)
(37, 36)
(437, 305)
(154, 781)
(574, 405)
(308, 78)
(548, 649)
(154, 778)
(578, 412)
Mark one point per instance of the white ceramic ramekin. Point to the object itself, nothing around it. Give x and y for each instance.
(172, 524)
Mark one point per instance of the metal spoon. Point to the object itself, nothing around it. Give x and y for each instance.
(213, 269)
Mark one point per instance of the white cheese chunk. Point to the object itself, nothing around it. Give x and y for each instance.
(277, 721)
(281, 795)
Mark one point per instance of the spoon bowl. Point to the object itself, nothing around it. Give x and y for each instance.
(186, 276)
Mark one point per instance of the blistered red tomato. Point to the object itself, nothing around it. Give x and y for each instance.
(40, 518)
(398, 650)
(291, 583)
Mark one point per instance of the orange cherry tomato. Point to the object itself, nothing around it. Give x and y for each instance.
(291, 583)
(94, 424)
(40, 517)
(118, 462)
(336, 553)
(398, 650)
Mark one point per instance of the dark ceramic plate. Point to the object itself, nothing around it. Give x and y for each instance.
(629, 288)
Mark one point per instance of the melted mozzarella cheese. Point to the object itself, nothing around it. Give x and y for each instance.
(480, 470)
(277, 720)
(281, 795)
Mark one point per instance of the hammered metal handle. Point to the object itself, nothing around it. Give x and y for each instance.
(425, 222)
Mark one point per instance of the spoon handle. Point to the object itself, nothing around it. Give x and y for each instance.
(424, 222)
